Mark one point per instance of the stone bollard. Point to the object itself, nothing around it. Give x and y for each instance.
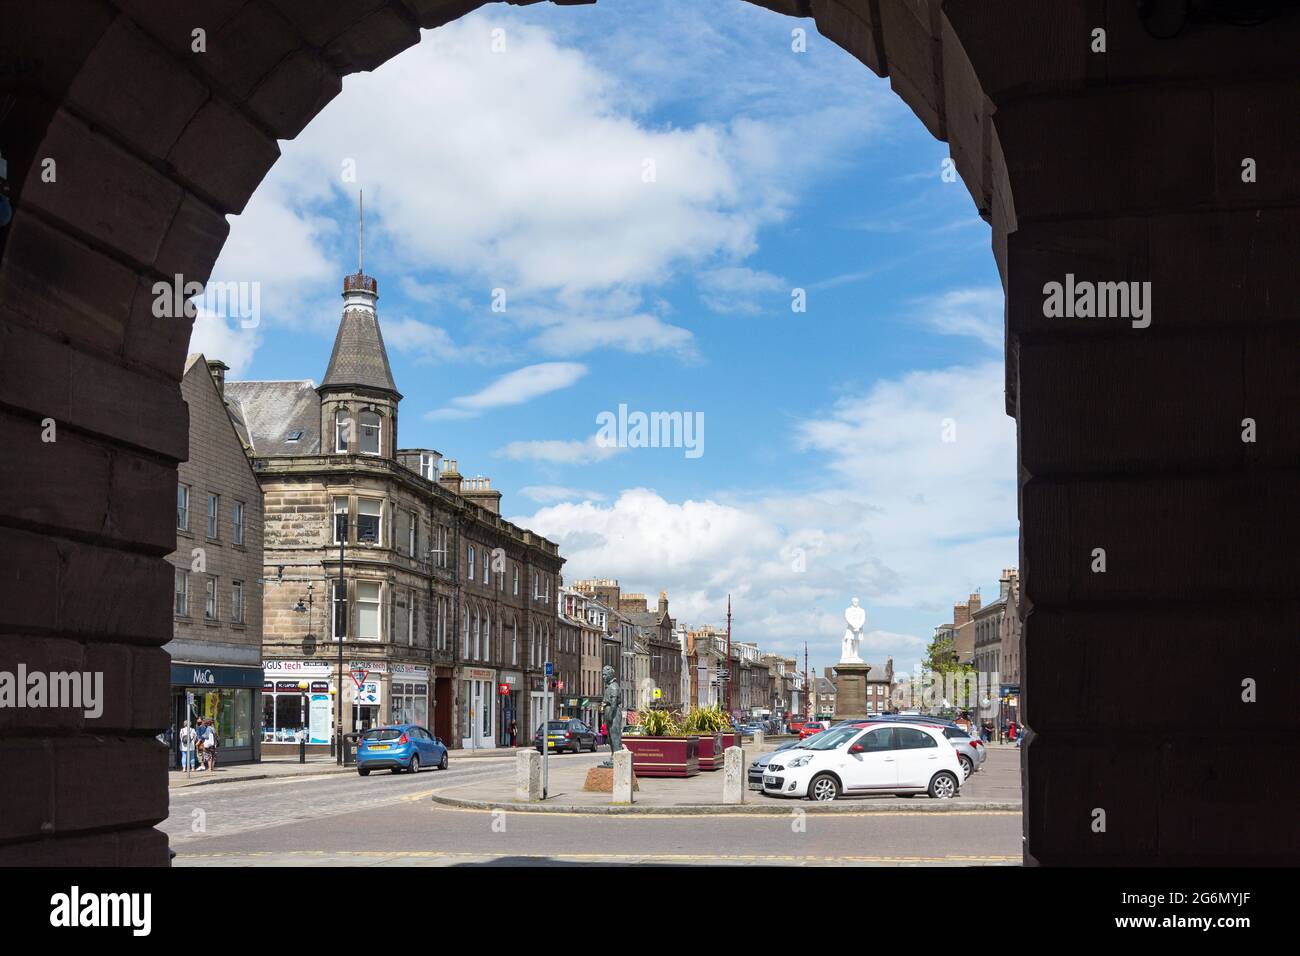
(528, 776)
(622, 777)
(733, 776)
(758, 741)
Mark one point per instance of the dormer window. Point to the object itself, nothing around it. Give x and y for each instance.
(370, 433)
(342, 431)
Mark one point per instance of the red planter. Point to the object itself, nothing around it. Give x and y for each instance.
(664, 756)
(711, 752)
(730, 739)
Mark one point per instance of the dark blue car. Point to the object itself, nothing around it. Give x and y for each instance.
(401, 747)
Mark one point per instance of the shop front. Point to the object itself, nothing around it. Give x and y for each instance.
(510, 691)
(477, 706)
(410, 695)
(226, 695)
(297, 699)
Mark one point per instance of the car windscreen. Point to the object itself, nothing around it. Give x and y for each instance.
(830, 739)
(386, 733)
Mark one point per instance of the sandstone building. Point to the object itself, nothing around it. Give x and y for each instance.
(216, 647)
(449, 609)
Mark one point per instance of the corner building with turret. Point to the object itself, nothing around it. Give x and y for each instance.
(444, 612)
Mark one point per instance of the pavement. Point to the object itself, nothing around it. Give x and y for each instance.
(281, 768)
(995, 788)
(342, 819)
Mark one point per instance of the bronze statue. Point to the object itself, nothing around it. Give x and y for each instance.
(612, 713)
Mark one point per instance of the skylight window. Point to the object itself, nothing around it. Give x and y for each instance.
(294, 435)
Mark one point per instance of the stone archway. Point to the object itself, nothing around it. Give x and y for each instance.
(1116, 166)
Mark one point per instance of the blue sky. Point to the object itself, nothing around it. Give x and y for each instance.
(647, 183)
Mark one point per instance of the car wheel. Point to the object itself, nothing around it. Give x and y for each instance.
(943, 786)
(967, 767)
(442, 764)
(364, 773)
(823, 788)
(415, 764)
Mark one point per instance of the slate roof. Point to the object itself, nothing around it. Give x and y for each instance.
(359, 356)
(267, 413)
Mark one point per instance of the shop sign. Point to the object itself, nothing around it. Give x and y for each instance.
(503, 689)
(374, 667)
(411, 670)
(296, 668)
(478, 673)
(210, 675)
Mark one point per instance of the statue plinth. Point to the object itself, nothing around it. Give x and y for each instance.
(851, 691)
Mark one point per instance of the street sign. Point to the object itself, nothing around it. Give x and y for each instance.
(550, 669)
(658, 693)
(359, 677)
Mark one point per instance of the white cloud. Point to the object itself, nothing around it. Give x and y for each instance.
(976, 313)
(738, 289)
(546, 494)
(513, 388)
(220, 338)
(896, 516)
(633, 333)
(559, 452)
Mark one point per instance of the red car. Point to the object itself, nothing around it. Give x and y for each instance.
(810, 728)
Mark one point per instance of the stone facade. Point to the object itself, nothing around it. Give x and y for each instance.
(216, 649)
(443, 602)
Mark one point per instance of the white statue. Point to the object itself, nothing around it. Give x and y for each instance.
(855, 617)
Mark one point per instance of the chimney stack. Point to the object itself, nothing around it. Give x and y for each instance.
(450, 477)
(960, 614)
(663, 602)
(219, 369)
(974, 604)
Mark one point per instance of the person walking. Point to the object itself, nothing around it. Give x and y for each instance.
(210, 744)
(187, 738)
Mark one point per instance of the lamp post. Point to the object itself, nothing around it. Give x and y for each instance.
(302, 685)
(340, 632)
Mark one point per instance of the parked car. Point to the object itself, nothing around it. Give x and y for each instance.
(971, 751)
(399, 748)
(810, 728)
(878, 758)
(568, 734)
(754, 775)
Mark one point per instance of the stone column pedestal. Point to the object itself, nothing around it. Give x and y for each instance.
(851, 691)
(528, 776)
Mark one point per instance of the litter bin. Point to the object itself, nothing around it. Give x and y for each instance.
(350, 749)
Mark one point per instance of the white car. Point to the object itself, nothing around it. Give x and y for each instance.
(888, 757)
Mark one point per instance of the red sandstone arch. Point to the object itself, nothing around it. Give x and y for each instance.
(1115, 166)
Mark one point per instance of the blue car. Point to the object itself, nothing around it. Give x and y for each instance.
(399, 748)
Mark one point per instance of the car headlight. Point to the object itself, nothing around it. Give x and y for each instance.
(800, 761)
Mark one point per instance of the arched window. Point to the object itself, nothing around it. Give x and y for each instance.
(342, 431)
(370, 433)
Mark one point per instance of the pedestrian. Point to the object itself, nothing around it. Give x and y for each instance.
(210, 748)
(514, 734)
(187, 738)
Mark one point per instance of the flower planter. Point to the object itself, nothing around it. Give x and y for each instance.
(664, 756)
(712, 755)
(730, 738)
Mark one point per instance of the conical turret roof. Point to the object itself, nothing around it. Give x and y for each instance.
(359, 357)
